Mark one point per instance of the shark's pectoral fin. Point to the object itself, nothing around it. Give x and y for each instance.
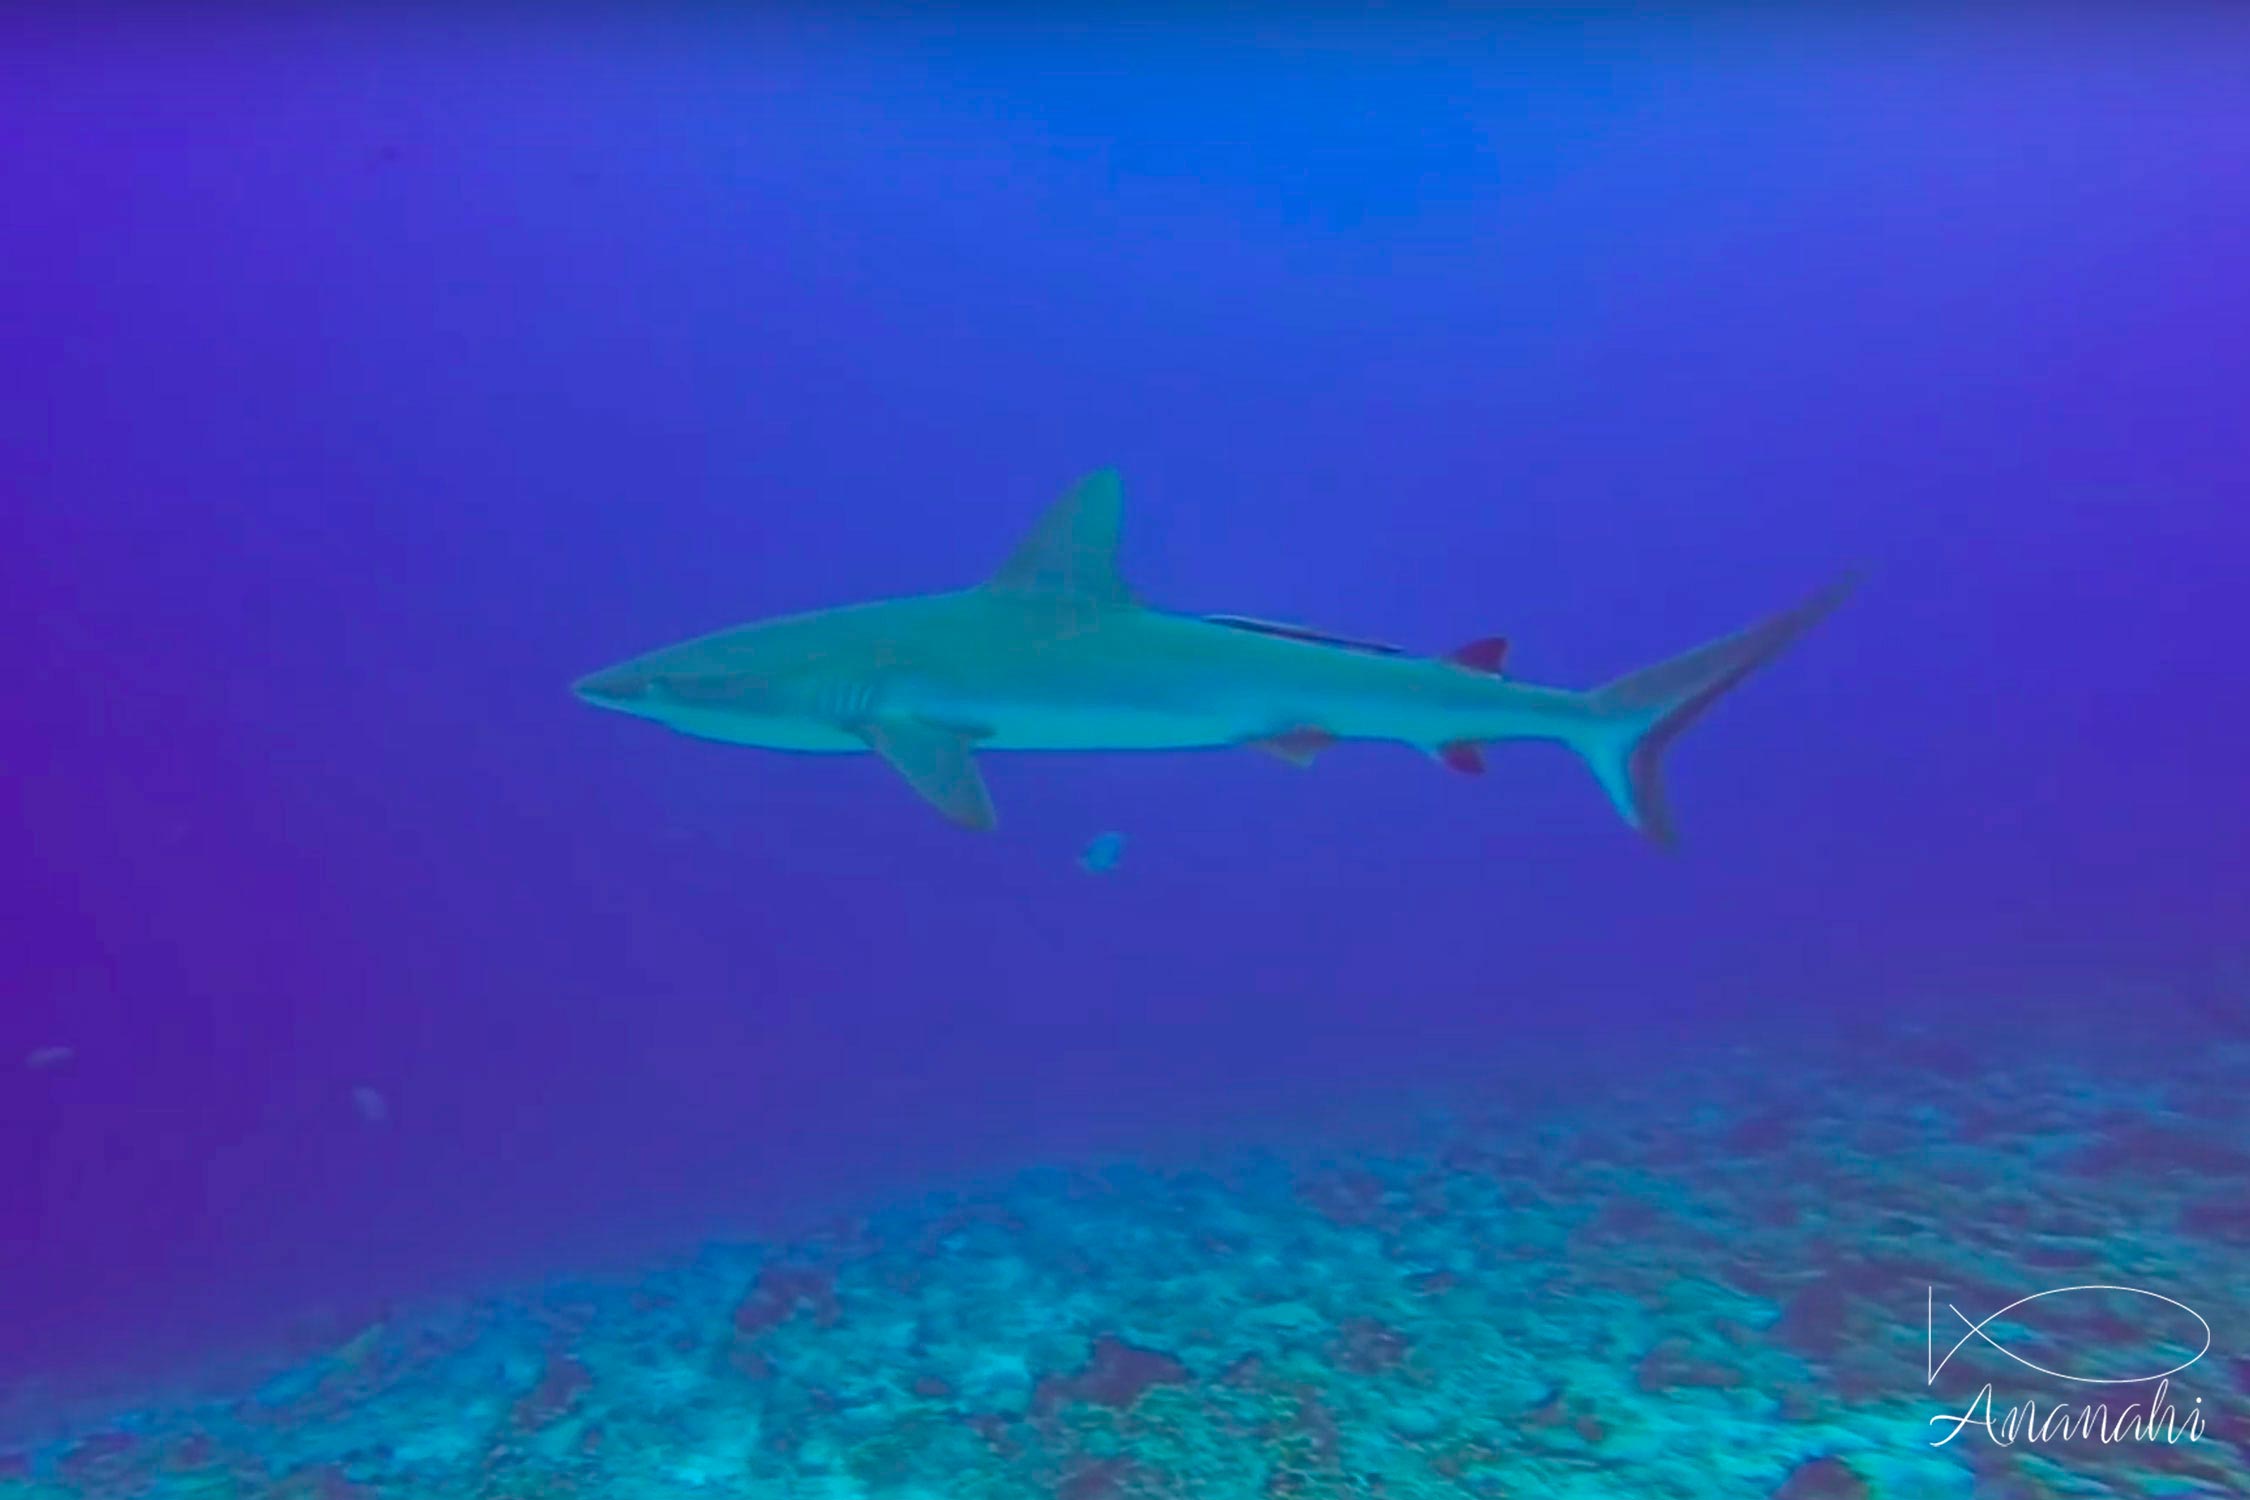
(937, 761)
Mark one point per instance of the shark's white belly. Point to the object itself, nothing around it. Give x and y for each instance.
(763, 732)
(1076, 727)
(1130, 721)
(1045, 728)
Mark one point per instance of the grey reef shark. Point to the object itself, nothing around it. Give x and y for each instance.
(1054, 652)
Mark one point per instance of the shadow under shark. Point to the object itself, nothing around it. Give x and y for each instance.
(1053, 652)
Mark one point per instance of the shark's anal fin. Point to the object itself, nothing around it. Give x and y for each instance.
(1297, 746)
(1465, 756)
(937, 760)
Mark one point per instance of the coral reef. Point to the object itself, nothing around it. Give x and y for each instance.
(1714, 1288)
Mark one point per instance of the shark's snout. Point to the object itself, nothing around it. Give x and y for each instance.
(612, 687)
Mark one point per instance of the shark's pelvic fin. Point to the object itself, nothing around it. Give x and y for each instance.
(1639, 715)
(936, 761)
(1297, 746)
(1072, 553)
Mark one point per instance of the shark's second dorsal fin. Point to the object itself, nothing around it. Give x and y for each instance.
(1072, 552)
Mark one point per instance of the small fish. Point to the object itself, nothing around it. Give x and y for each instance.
(42, 1059)
(373, 1108)
(1102, 854)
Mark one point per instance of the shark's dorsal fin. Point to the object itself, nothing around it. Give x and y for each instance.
(1072, 552)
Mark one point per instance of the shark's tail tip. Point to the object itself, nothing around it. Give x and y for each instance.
(1824, 601)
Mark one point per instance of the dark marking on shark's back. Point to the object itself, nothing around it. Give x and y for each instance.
(1303, 633)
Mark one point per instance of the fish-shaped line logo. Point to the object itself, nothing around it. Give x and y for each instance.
(1977, 1331)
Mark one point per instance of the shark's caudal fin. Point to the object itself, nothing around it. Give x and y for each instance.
(1637, 717)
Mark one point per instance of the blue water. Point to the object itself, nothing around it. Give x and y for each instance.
(371, 381)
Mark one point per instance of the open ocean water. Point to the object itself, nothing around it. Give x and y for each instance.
(416, 1081)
